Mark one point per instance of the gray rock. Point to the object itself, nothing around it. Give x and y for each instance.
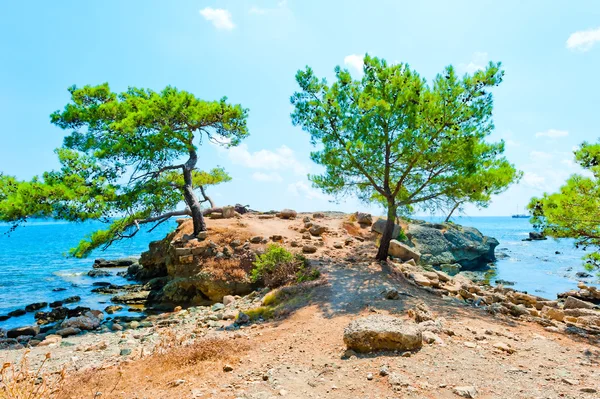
(20, 331)
(256, 239)
(448, 243)
(125, 352)
(88, 321)
(317, 230)
(67, 332)
(217, 306)
(574, 303)
(227, 299)
(123, 262)
(99, 273)
(364, 219)
(380, 332)
(242, 318)
(535, 236)
(379, 227)
(287, 214)
(309, 249)
(466, 391)
(35, 306)
(403, 251)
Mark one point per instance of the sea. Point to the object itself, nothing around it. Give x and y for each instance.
(34, 262)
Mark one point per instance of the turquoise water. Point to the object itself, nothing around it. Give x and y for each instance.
(33, 262)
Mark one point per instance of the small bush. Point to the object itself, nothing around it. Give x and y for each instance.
(261, 312)
(278, 266)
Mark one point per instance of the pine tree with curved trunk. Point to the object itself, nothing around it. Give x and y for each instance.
(130, 159)
(393, 139)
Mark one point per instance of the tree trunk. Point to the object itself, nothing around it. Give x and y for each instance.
(451, 212)
(386, 237)
(188, 193)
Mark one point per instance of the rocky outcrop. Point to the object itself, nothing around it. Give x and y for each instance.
(448, 243)
(380, 332)
(188, 270)
(404, 252)
(123, 262)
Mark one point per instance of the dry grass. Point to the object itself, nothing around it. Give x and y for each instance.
(232, 270)
(225, 235)
(20, 381)
(174, 358)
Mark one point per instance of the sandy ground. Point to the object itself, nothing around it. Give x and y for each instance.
(302, 354)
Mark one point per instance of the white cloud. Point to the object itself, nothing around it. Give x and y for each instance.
(534, 180)
(267, 177)
(478, 62)
(281, 6)
(283, 158)
(552, 133)
(540, 156)
(220, 18)
(303, 189)
(355, 61)
(583, 40)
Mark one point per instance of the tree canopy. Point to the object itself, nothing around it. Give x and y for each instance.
(574, 211)
(129, 159)
(392, 137)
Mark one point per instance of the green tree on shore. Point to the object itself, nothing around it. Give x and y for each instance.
(390, 137)
(130, 156)
(574, 211)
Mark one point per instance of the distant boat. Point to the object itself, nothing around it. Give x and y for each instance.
(520, 215)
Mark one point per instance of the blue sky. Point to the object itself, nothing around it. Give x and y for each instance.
(249, 51)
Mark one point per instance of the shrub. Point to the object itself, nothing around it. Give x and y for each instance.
(278, 266)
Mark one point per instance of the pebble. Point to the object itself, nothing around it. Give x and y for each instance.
(370, 376)
(227, 368)
(125, 352)
(465, 391)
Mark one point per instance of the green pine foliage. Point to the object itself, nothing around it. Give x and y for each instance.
(574, 211)
(393, 138)
(128, 159)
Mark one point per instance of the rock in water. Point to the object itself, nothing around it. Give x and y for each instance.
(380, 332)
(124, 262)
(403, 251)
(448, 243)
(535, 236)
(28, 330)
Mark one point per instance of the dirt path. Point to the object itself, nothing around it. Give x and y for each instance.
(301, 356)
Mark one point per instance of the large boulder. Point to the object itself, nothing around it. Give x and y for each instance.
(403, 251)
(448, 243)
(287, 214)
(380, 332)
(89, 321)
(379, 227)
(20, 331)
(364, 219)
